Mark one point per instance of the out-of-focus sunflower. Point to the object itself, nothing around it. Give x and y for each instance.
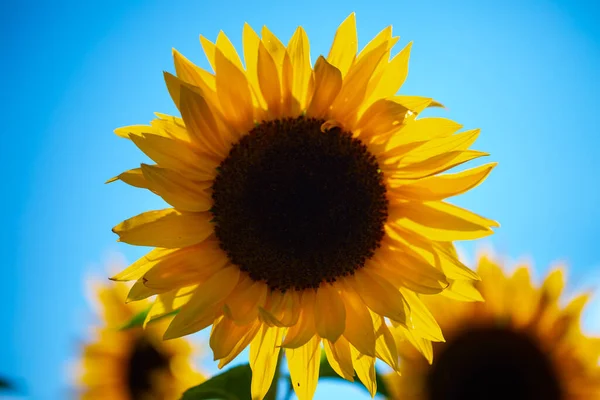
(132, 364)
(307, 205)
(521, 343)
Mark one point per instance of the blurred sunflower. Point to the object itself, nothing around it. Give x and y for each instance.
(133, 364)
(521, 343)
(307, 205)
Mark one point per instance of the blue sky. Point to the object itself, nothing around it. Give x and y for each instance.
(525, 72)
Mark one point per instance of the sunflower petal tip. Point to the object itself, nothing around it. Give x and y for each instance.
(170, 334)
(111, 180)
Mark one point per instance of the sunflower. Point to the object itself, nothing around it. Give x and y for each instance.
(521, 343)
(133, 363)
(307, 205)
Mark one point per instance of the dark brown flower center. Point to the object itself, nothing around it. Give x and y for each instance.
(295, 206)
(492, 363)
(145, 360)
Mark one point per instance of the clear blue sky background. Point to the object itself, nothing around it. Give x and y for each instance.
(525, 72)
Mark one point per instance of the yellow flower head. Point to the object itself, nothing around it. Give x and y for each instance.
(307, 205)
(521, 343)
(132, 364)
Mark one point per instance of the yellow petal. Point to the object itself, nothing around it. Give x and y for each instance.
(209, 50)
(167, 228)
(444, 222)
(380, 118)
(553, 285)
(133, 177)
(178, 191)
(379, 295)
(166, 303)
(234, 94)
(462, 290)
(174, 128)
(422, 345)
(282, 310)
(384, 36)
(449, 263)
(269, 81)
(273, 45)
(192, 74)
(443, 186)
(127, 131)
(264, 354)
(328, 82)
(285, 72)
(492, 285)
(440, 255)
(575, 307)
(345, 45)
(185, 267)
(359, 325)
(243, 303)
(354, 87)
(203, 307)
(393, 76)
(416, 104)
(225, 336)
(434, 165)
(227, 49)
(242, 344)
(291, 106)
(330, 314)
(442, 144)
(139, 291)
(405, 269)
(174, 154)
(201, 121)
(142, 265)
(304, 363)
(422, 319)
(365, 369)
(339, 357)
(251, 42)
(385, 347)
(423, 129)
(299, 51)
(304, 329)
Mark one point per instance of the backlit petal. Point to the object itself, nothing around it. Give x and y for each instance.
(365, 369)
(299, 51)
(203, 307)
(264, 352)
(304, 363)
(178, 191)
(243, 303)
(328, 82)
(339, 357)
(330, 313)
(345, 45)
(167, 228)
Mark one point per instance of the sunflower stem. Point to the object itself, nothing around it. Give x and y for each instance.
(272, 393)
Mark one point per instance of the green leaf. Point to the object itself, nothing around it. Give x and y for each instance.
(138, 319)
(233, 384)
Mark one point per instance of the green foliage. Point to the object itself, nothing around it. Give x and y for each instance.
(233, 384)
